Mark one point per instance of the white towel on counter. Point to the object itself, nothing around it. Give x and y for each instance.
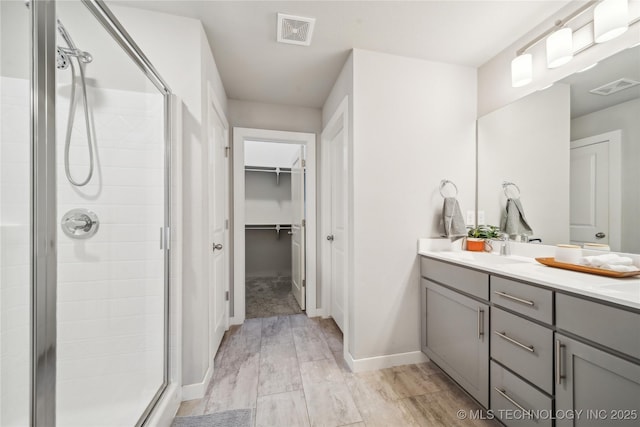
(606, 259)
(614, 262)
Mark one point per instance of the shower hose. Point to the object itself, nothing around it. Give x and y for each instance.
(72, 112)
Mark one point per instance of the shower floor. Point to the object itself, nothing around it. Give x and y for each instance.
(269, 296)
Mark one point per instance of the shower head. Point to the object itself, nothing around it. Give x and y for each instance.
(62, 60)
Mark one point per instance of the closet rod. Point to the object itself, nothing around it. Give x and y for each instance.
(272, 170)
(276, 170)
(277, 228)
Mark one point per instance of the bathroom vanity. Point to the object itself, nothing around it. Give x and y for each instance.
(535, 345)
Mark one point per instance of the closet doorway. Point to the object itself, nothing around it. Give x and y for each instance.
(274, 223)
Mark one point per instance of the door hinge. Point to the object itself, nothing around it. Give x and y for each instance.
(304, 283)
(226, 151)
(304, 222)
(226, 296)
(304, 163)
(226, 224)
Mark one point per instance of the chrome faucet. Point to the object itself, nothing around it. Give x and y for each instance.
(505, 250)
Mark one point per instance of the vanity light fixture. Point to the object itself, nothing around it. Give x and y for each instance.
(559, 47)
(522, 70)
(610, 20)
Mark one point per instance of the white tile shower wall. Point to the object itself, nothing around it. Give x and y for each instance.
(111, 286)
(14, 251)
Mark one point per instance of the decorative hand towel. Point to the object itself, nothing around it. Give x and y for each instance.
(608, 259)
(513, 220)
(454, 225)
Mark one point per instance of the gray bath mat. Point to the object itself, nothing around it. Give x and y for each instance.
(233, 418)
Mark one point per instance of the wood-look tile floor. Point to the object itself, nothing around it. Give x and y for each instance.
(290, 371)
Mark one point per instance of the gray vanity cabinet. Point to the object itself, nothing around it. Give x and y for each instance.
(604, 387)
(455, 337)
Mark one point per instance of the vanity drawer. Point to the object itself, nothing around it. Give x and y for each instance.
(524, 347)
(527, 300)
(610, 326)
(463, 279)
(514, 402)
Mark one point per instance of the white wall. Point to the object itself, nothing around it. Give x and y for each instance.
(494, 77)
(527, 142)
(625, 117)
(15, 213)
(414, 124)
(15, 249)
(269, 154)
(259, 115)
(178, 49)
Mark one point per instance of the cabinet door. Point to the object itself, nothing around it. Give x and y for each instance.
(596, 387)
(457, 338)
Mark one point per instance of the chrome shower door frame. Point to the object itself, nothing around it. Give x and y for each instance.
(43, 196)
(43, 214)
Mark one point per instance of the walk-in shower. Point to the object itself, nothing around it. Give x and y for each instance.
(84, 313)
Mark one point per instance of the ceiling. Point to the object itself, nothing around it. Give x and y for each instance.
(625, 64)
(254, 67)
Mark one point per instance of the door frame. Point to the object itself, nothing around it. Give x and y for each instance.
(614, 139)
(240, 135)
(339, 121)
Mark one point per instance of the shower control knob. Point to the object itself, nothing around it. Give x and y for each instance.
(600, 235)
(79, 223)
(217, 246)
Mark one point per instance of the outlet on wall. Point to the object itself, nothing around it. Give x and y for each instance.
(471, 218)
(481, 218)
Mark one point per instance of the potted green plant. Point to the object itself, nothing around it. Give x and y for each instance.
(477, 237)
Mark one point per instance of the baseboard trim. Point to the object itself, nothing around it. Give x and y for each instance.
(197, 390)
(387, 361)
(236, 320)
(167, 407)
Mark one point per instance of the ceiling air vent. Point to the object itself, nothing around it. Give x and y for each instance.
(615, 86)
(295, 29)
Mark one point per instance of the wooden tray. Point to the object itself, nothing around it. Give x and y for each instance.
(551, 262)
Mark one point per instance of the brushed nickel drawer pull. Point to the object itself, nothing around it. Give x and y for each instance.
(559, 375)
(511, 297)
(512, 341)
(480, 323)
(503, 393)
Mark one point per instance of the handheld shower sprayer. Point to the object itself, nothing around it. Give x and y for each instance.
(64, 56)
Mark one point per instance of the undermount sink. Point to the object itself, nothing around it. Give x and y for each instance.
(486, 258)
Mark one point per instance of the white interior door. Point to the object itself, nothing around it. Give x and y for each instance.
(217, 242)
(589, 208)
(298, 229)
(337, 238)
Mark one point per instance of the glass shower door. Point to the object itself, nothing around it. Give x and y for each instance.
(111, 336)
(15, 214)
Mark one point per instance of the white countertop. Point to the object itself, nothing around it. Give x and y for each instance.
(624, 291)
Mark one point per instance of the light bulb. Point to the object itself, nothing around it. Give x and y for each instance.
(610, 19)
(522, 70)
(559, 48)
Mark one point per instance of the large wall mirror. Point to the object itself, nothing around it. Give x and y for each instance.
(573, 150)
